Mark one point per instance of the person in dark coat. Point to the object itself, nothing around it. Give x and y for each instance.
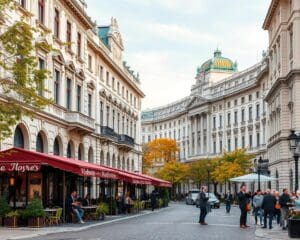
(268, 206)
(73, 206)
(243, 201)
(228, 201)
(153, 200)
(285, 202)
(203, 201)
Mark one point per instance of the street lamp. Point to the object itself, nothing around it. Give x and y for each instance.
(294, 141)
(259, 170)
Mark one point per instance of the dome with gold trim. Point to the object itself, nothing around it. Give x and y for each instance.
(218, 63)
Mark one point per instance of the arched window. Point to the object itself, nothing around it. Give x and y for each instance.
(19, 138)
(80, 152)
(39, 143)
(91, 155)
(56, 148)
(113, 161)
(70, 150)
(102, 158)
(128, 164)
(107, 159)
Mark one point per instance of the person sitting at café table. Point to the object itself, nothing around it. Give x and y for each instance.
(74, 206)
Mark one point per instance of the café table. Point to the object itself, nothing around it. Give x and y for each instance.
(49, 212)
(89, 211)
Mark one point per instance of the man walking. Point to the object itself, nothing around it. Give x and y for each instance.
(243, 201)
(284, 201)
(257, 204)
(203, 201)
(228, 200)
(268, 206)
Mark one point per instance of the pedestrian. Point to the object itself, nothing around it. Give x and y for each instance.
(203, 201)
(228, 201)
(284, 201)
(268, 206)
(153, 200)
(257, 204)
(127, 202)
(277, 212)
(243, 201)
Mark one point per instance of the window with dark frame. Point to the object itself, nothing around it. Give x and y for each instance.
(101, 113)
(22, 3)
(41, 11)
(56, 86)
(78, 44)
(90, 105)
(41, 84)
(78, 98)
(69, 34)
(56, 23)
(69, 93)
(90, 62)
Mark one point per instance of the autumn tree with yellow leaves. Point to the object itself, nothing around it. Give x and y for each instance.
(159, 151)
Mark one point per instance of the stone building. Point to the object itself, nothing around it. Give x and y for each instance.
(254, 108)
(97, 98)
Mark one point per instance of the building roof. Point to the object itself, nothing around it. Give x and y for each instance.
(218, 62)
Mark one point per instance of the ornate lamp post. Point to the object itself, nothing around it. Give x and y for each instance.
(294, 141)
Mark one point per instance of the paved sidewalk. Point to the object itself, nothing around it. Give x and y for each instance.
(275, 234)
(24, 232)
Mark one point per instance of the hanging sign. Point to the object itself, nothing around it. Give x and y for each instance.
(20, 167)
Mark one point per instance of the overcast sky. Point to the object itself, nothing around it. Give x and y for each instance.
(165, 40)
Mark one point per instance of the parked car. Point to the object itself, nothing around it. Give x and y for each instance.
(213, 201)
(192, 197)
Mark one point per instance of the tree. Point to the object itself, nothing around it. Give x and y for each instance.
(173, 172)
(160, 150)
(232, 164)
(23, 81)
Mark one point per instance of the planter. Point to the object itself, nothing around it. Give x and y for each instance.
(36, 222)
(11, 222)
(102, 217)
(294, 228)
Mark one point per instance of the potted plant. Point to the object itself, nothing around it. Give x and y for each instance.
(166, 198)
(11, 219)
(102, 210)
(34, 213)
(160, 203)
(4, 209)
(294, 225)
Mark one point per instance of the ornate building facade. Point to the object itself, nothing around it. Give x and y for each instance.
(253, 109)
(97, 98)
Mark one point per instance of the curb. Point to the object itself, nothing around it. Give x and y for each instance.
(77, 229)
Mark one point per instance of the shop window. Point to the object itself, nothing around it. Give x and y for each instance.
(70, 152)
(80, 152)
(19, 138)
(56, 149)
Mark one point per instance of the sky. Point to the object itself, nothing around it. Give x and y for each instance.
(166, 40)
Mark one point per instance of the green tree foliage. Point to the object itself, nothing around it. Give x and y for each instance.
(23, 79)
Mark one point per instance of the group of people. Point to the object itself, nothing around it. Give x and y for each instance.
(267, 206)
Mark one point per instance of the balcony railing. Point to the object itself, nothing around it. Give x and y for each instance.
(125, 139)
(109, 132)
(80, 121)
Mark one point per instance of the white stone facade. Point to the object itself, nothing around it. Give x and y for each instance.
(96, 115)
(255, 108)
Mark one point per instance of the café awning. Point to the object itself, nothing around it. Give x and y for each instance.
(22, 160)
(157, 182)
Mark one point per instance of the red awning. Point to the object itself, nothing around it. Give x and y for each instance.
(21, 160)
(156, 181)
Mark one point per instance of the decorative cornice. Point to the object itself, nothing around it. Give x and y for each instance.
(270, 14)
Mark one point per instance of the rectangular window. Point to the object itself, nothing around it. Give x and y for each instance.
(250, 113)
(235, 117)
(118, 87)
(257, 111)
(215, 147)
(127, 95)
(107, 78)
(235, 102)
(131, 98)
(69, 35)
(229, 145)
(250, 141)
(250, 97)
(134, 102)
(90, 62)
(56, 23)
(90, 104)
(123, 91)
(228, 118)
(291, 43)
(118, 124)
(214, 122)
(220, 121)
(257, 139)
(41, 85)
(113, 119)
(101, 113)
(235, 143)
(107, 116)
(113, 83)
(242, 99)
(101, 73)
(243, 141)
(69, 93)
(243, 115)
(79, 45)
(221, 146)
(257, 95)
(41, 10)
(78, 98)
(56, 86)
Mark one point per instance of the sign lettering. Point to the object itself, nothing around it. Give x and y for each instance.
(19, 167)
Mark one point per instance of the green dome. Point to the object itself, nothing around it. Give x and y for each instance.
(218, 63)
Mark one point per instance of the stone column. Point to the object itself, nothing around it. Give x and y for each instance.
(196, 118)
(209, 141)
(202, 133)
(190, 136)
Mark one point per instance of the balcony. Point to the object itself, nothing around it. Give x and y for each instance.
(125, 142)
(108, 133)
(80, 123)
